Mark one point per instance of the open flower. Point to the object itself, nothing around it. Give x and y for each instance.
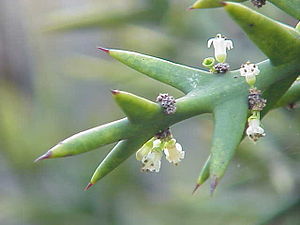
(221, 45)
(254, 131)
(173, 152)
(144, 150)
(152, 161)
(150, 154)
(249, 71)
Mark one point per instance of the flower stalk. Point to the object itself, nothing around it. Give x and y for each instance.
(255, 102)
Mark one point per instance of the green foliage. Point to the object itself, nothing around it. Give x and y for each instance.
(283, 48)
(181, 77)
(225, 96)
(203, 4)
(291, 7)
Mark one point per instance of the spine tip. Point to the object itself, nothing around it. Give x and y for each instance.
(47, 155)
(103, 49)
(213, 185)
(196, 188)
(190, 8)
(115, 92)
(88, 186)
(223, 3)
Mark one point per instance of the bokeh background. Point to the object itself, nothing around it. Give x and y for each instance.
(54, 83)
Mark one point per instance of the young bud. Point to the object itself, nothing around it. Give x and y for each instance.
(167, 102)
(258, 3)
(208, 62)
(255, 101)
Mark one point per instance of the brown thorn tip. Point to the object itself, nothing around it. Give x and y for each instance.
(88, 186)
(115, 92)
(196, 188)
(223, 3)
(45, 156)
(104, 49)
(190, 8)
(213, 185)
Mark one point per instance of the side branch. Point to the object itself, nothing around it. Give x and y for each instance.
(182, 77)
(291, 96)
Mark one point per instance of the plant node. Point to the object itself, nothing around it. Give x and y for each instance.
(167, 102)
(255, 101)
(258, 3)
(221, 67)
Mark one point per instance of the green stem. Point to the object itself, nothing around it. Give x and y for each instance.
(290, 97)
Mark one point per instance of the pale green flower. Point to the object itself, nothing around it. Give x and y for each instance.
(173, 152)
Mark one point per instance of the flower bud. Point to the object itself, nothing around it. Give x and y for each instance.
(208, 62)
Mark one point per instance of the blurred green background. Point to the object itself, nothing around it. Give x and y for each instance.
(54, 83)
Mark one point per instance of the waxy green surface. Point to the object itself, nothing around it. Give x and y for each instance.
(182, 77)
(223, 95)
(204, 4)
(291, 7)
(291, 96)
(279, 50)
(118, 154)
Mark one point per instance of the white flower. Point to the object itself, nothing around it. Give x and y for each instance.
(173, 152)
(157, 143)
(249, 71)
(144, 150)
(221, 45)
(151, 162)
(254, 131)
(150, 154)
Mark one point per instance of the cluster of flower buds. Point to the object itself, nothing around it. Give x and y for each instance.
(167, 102)
(258, 3)
(151, 152)
(221, 67)
(221, 45)
(255, 101)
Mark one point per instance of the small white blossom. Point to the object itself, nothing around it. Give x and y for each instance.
(151, 152)
(144, 150)
(157, 143)
(254, 131)
(173, 152)
(249, 71)
(152, 161)
(221, 45)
